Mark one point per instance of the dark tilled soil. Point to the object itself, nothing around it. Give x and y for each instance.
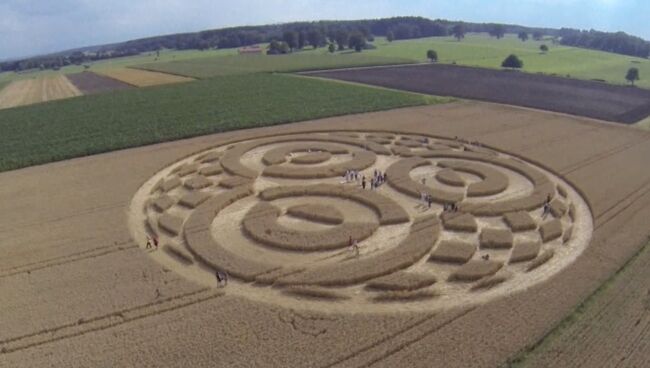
(584, 98)
(89, 83)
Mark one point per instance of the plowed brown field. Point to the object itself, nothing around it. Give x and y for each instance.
(90, 83)
(582, 98)
(31, 91)
(78, 289)
(143, 78)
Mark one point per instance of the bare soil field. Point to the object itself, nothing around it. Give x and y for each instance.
(143, 78)
(89, 83)
(31, 91)
(81, 288)
(583, 98)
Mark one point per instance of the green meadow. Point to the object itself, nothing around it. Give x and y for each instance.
(87, 125)
(477, 50)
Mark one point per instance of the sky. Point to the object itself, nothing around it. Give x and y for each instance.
(32, 27)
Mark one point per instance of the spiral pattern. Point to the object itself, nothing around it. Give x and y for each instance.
(283, 211)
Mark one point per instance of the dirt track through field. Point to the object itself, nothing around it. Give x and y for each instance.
(31, 91)
(582, 98)
(79, 290)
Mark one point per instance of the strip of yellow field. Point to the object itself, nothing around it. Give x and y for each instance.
(143, 78)
(643, 124)
(32, 91)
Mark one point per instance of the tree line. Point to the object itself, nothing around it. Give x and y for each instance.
(354, 34)
(619, 42)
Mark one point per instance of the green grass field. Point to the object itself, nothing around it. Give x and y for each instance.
(475, 50)
(483, 51)
(300, 61)
(149, 57)
(92, 124)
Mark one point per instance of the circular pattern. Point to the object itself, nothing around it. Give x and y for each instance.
(362, 218)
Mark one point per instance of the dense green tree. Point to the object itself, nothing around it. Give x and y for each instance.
(291, 38)
(632, 75)
(618, 42)
(302, 39)
(497, 31)
(537, 35)
(523, 36)
(331, 48)
(390, 36)
(77, 57)
(315, 38)
(432, 55)
(458, 31)
(543, 48)
(512, 61)
(278, 47)
(357, 41)
(341, 37)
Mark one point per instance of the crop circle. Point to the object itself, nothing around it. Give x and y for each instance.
(370, 221)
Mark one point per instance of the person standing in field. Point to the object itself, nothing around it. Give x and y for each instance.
(148, 243)
(363, 182)
(546, 210)
(222, 278)
(355, 248)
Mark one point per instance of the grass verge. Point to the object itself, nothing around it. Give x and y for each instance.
(643, 124)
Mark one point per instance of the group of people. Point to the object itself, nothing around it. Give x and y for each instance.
(465, 141)
(378, 178)
(450, 207)
(427, 199)
(351, 176)
(152, 242)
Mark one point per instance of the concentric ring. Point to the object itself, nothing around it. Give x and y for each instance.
(380, 219)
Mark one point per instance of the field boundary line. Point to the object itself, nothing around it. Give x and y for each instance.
(102, 322)
(62, 257)
(419, 337)
(84, 212)
(632, 197)
(449, 99)
(593, 159)
(404, 331)
(141, 67)
(306, 72)
(75, 257)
